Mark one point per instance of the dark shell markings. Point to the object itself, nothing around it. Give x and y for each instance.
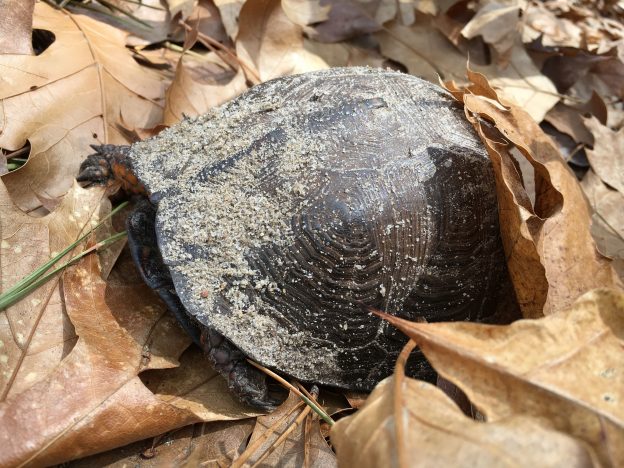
(282, 212)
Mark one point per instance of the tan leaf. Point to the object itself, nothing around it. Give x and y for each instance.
(211, 444)
(72, 95)
(299, 441)
(607, 157)
(35, 333)
(184, 7)
(566, 370)
(16, 26)
(230, 12)
(305, 12)
(343, 54)
(554, 31)
(93, 399)
(437, 433)
(558, 224)
(272, 43)
(199, 86)
(568, 120)
(607, 220)
(498, 24)
(522, 82)
(423, 49)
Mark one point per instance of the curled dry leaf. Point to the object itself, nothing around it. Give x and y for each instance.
(607, 157)
(437, 433)
(566, 370)
(71, 95)
(271, 43)
(551, 238)
(91, 398)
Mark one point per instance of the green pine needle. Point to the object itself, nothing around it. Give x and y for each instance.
(38, 277)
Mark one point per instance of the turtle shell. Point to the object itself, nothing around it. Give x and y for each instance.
(283, 211)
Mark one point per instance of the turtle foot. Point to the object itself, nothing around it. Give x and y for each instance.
(109, 166)
(246, 382)
(96, 169)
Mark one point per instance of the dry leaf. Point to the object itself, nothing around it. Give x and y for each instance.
(230, 12)
(90, 398)
(272, 43)
(566, 370)
(607, 157)
(554, 31)
(522, 82)
(292, 451)
(70, 96)
(35, 333)
(435, 432)
(569, 120)
(423, 49)
(559, 223)
(305, 12)
(207, 20)
(199, 86)
(607, 220)
(498, 24)
(16, 26)
(213, 444)
(346, 20)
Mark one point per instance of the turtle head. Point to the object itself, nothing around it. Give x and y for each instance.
(110, 166)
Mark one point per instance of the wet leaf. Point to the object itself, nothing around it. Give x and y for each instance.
(531, 368)
(71, 95)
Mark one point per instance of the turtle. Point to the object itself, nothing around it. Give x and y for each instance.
(271, 224)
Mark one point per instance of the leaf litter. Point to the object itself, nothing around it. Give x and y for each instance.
(559, 62)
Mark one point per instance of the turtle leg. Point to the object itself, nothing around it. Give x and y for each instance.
(141, 228)
(244, 380)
